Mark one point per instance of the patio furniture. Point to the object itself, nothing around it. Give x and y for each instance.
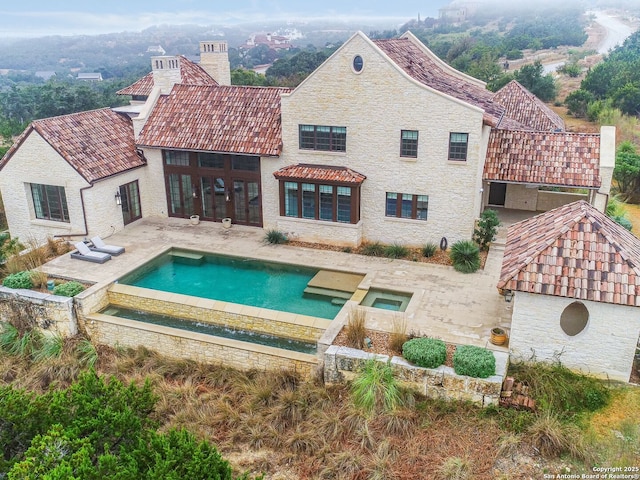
(100, 246)
(83, 252)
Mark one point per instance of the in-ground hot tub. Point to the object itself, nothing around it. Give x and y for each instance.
(386, 299)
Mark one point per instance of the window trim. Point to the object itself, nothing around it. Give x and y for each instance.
(335, 143)
(454, 155)
(45, 205)
(399, 204)
(354, 215)
(410, 149)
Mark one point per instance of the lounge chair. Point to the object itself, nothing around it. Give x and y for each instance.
(100, 246)
(84, 253)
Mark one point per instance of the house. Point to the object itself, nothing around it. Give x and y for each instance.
(90, 76)
(383, 142)
(575, 274)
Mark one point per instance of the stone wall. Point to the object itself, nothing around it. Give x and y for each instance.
(342, 364)
(43, 310)
(605, 347)
(283, 324)
(550, 200)
(176, 343)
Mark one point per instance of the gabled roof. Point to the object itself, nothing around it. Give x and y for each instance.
(97, 143)
(574, 251)
(191, 73)
(523, 106)
(243, 120)
(424, 68)
(320, 173)
(544, 158)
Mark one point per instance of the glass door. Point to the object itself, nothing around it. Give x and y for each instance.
(181, 195)
(214, 198)
(247, 207)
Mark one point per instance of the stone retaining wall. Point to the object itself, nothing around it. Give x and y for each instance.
(282, 324)
(342, 363)
(200, 347)
(43, 310)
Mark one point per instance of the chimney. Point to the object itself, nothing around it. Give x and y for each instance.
(166, 73)
(214, 58)
(607, 164)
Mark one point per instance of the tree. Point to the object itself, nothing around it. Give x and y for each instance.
(578, 101)
(542, 86)
(627, 171)
(241, 76)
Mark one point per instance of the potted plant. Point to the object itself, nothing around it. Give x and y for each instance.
(498, 336)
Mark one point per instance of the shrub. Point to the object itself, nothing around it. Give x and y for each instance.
(486, 229)
(375, 388)
(429, 249)
(474, 361)
(18, 280)
(275, 237)
(68, 289)
(396, 251)
(425, 352)
(375, 249)
(553, 438)
(465, 256)
(355, 328)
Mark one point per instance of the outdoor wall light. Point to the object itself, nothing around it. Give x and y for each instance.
(508, 296)
(118, 198)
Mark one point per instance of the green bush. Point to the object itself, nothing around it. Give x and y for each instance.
(465, 256)
(474, 361)
(18, 280)
(68, 289)
(396, 251)
(375, 388)
(275, 237)
(425, 352)
(375, 249)
(487, 228)
(429, 249)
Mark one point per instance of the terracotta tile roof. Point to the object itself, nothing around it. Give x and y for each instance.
(574, 251)
(232, 119)
(320, 173)
(97, 143)
(191, 73)
(523, 106)
(423, 68)
(544, 158)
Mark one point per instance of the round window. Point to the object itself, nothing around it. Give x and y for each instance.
(574, 319)
(358, 63)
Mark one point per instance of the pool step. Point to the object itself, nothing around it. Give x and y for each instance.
(336, 281)
(327, 292)
(187, 258)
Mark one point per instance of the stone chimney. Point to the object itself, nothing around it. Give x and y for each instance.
(166, 73)
(214, 58)
(607, 164)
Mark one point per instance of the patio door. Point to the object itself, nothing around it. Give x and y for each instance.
(497, 194)
(130, 202)
(182, 195)
(246, 202)
(215, 198)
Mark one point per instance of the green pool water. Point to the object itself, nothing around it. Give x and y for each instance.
(210, 329)
(245, 281)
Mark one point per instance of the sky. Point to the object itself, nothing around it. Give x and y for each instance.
(71, 17)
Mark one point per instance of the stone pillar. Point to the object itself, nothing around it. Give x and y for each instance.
(214, 58)
(607, 164)
(166, 73)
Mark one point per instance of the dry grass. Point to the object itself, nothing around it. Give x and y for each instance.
(355, 328)
(398, 335)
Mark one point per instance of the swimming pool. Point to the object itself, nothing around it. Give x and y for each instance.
(276, 286)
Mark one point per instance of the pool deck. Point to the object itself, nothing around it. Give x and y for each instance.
(455, 307)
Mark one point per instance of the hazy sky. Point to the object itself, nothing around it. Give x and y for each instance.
(47, 17)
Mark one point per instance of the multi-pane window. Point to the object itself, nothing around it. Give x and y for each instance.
(50, 202)
(458, 146)
(174, 157)
(405, 205)
(321, 137)
(409, 143)
(332, 203)
(130, 198)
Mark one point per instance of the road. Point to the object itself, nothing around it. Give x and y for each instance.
(617, 32)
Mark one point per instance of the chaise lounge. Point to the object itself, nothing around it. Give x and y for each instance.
(84, 253)
(100, 246)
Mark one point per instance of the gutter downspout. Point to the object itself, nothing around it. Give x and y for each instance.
(84, 217)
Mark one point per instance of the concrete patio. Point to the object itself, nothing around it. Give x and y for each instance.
(455, 307)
